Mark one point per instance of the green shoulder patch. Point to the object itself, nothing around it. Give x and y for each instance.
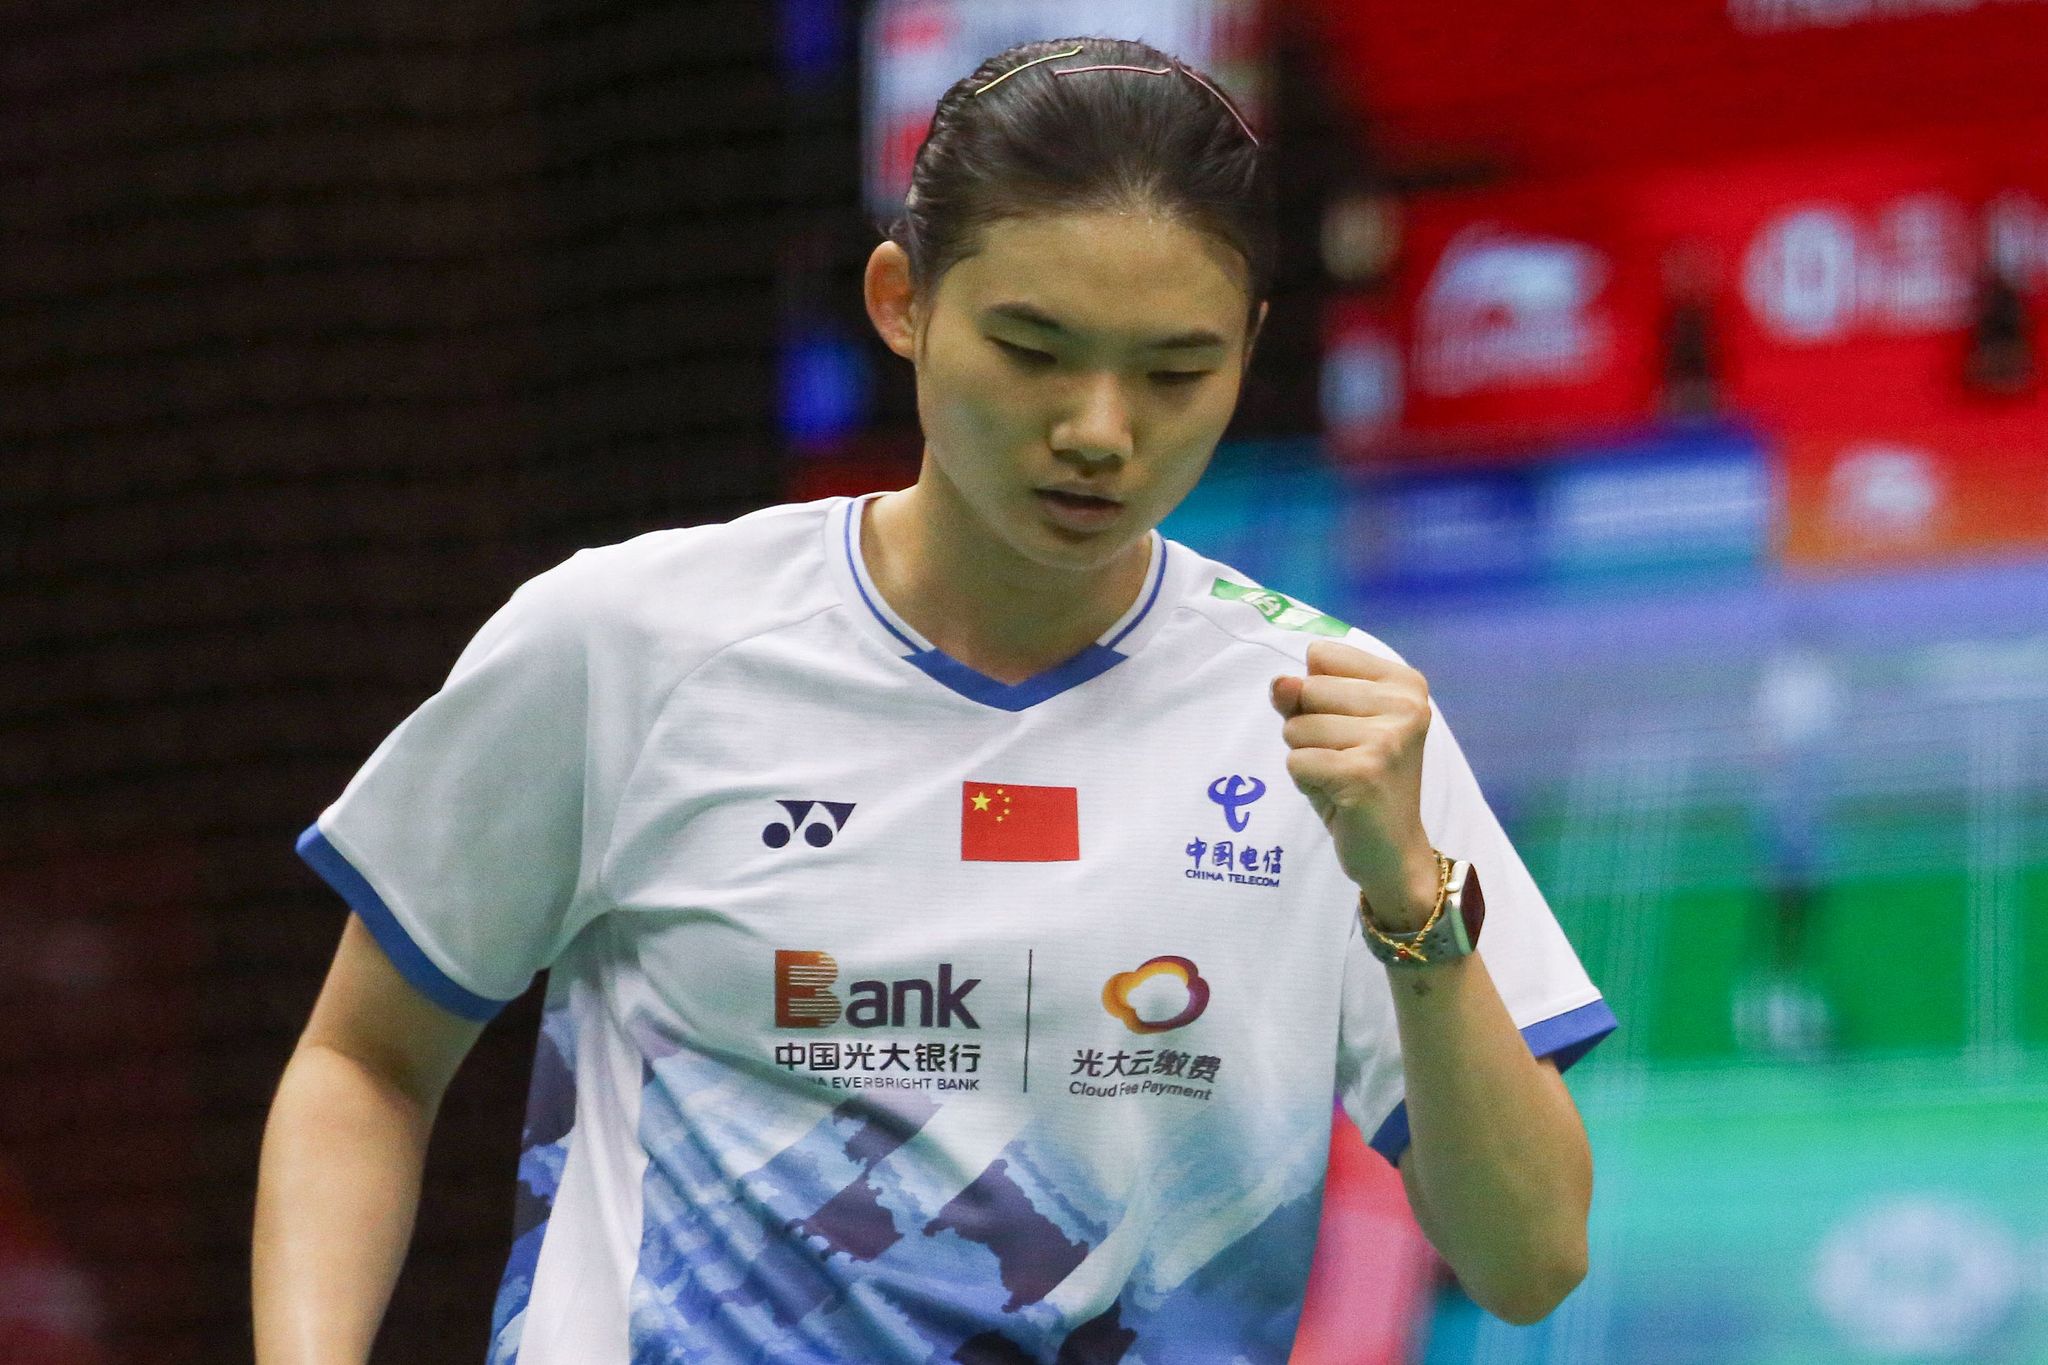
(1280, 609)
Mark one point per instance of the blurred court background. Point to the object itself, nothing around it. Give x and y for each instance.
(1662, 380)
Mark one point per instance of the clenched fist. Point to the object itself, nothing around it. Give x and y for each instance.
(1354, 729)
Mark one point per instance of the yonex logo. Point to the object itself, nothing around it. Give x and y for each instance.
(817, 833)
(1232, 794)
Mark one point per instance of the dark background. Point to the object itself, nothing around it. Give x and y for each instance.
(321, 327)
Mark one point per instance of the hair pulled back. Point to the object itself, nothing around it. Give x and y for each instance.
(1103, 141)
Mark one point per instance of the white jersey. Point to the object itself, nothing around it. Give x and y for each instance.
(897, 1013)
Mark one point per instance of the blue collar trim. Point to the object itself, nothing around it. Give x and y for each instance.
(860, 585)
(943, 668)
(1158, 582)
(977, 686)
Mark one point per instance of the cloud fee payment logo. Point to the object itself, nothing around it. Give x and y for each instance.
(1166, 992)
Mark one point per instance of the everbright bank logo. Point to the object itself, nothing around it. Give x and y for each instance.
(1164, 993)
(804, 997)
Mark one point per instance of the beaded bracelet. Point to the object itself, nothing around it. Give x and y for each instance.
(1408, 947)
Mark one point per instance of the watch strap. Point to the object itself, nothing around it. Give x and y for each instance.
(1451, 934)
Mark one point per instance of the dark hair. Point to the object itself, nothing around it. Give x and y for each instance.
(1108, 141)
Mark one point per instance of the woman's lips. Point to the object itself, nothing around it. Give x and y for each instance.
(1078, 512)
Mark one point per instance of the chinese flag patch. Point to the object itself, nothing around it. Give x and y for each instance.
(1001, 822)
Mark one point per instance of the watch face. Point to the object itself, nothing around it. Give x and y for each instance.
(1472, 905)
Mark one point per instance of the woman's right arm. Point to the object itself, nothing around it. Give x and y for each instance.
(338, 1182)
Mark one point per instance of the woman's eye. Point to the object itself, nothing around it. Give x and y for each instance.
(1179, 378)
(1024, 354)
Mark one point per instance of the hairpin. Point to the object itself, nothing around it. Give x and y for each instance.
(1142, 70)
(1219, 97)
(1015, 69)
(1148, 70)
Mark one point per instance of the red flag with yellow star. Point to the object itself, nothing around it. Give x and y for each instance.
(1001, 822)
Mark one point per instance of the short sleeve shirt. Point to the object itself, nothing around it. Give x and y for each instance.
(896, 1013)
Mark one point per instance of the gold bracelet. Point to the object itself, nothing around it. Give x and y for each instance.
(1406, 946)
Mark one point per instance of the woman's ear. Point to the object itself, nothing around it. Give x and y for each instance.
(891, 300)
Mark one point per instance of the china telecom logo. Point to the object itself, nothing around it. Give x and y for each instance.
(1164, 993)
(1233, 794)
(1234, 860)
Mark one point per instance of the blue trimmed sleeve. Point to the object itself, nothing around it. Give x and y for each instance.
(461, 841)
(413, 964)
(1532, 964)
(1564, 1038)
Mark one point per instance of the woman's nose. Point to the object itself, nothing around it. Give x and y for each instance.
(1099, 427)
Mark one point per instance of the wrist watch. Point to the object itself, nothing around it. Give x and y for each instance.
(1451, 931)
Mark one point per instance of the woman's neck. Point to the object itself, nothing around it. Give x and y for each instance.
(975, 598)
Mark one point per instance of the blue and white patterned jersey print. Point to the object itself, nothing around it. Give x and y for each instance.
(896, 1013)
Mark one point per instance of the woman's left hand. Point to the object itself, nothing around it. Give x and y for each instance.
(1354, 729)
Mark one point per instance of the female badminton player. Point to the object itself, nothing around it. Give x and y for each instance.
(962, 905)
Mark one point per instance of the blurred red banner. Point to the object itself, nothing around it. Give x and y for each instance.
(1539, 88)
(1826, 290)
(1863, 496)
